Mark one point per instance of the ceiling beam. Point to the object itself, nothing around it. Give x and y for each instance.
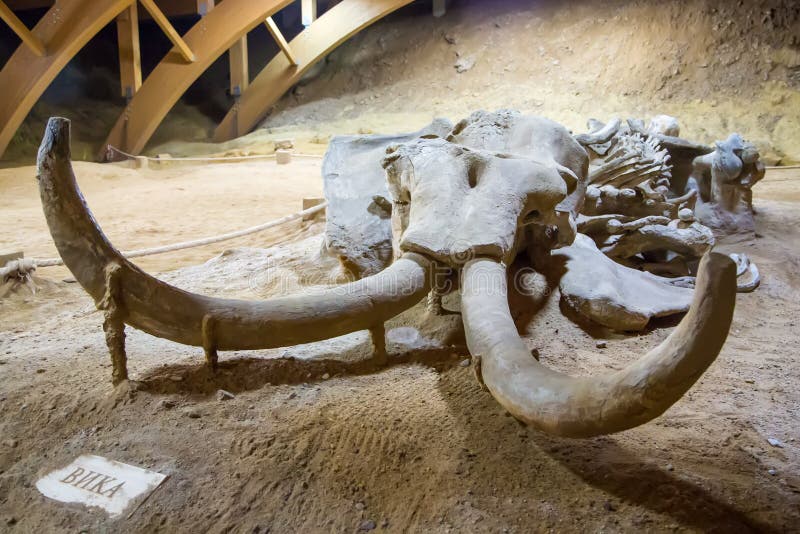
(22, 31)
(171, 8)
(281, 40)
(168, 29)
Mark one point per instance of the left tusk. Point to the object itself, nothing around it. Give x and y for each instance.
(130, 296)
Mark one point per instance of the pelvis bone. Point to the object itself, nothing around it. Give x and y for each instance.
(481, 199)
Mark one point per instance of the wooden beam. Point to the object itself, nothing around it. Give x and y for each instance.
(333, 28)
(308, 10)
(130, 59)
(22, 31)
(170, 8)
(239, 68)
(66, 28)
(281, 40)
(209, 38)
(169, 30)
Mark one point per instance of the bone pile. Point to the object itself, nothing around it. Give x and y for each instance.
(635, 212)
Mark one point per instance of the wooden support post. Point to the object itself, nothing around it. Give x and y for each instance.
(204, 6)
(308, 9)
(439, 8)
(239, 69)
(281, 40)
(130, 60)
(22, 31)
(167, 28)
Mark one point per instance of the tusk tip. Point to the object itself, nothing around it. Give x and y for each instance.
(56, 140)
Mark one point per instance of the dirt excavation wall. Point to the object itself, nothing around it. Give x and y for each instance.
(718, 66)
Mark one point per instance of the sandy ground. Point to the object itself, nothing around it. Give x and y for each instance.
(317, 439)
(160, 206)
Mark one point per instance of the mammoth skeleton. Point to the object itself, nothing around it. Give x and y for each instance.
(467, 209)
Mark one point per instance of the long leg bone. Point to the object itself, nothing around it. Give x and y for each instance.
(128, 294)
(581, 407)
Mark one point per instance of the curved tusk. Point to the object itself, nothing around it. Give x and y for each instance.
(165, 311)
(582, 407)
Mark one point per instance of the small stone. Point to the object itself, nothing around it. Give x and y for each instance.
(166, 404)
(608, 506)
(360, 506)
(367, 525)
(601, 344)
(535, 353)
(292, 395)
(40, 371)
(772, 472)
(193, 414)
(10, 443)
(285, 144)
(11, 521)
(775, 442)
(326, 376)
(464, 64)
(223, 395)
(450, 38)
(464, 363)
(670, 467)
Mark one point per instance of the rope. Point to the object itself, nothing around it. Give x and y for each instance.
(782, 167)
(201, 242)
(114, 150)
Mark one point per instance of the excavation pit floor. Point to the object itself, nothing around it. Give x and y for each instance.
(316, 439)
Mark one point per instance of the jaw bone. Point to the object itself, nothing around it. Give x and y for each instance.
(130, 296)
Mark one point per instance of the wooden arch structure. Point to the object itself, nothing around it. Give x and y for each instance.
(63, 31)
(213, 35)
(70, 24)
(333, 28)
(60, 34)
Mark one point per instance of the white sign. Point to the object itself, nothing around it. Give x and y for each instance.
(97, 481)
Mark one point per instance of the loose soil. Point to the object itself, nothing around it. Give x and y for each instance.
(318, 439)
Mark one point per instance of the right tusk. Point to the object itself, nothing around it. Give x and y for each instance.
(583, 407)
(133, 297)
